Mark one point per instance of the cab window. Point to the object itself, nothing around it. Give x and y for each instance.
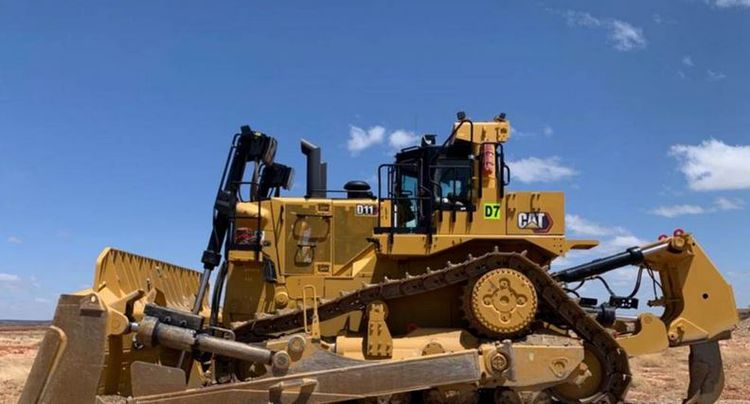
(406, 198)
(452, 182)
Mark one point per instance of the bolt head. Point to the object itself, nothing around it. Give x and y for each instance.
(498, 362)
(296, 345)
(280, 362)
(281, 299)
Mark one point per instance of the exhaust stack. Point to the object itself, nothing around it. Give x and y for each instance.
(317, 178)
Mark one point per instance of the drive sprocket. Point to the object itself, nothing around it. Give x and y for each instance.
(502, 302)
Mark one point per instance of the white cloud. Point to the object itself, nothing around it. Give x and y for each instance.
(581, 226)
(625, 241)
(10, 281)
(9, 278)
(617, 238)
(678, 210)
(731, 3)
(582, 19)
(400, 139)
(720, 204)
(34, 281)
(42, 300)
(519, 133)
(688, 61)
(614, 239)
(624, 276)
(14, 240)
(360, 139)
(715, 76)
(623, 35)
(729, 204)
(626, 37)
(546, 130)
(534, 169)
(714, 165)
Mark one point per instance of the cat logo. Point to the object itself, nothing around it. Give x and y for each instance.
(539, 222)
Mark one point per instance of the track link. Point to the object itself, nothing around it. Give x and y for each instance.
(614, 359)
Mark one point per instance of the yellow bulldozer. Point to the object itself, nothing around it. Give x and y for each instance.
(434, 286)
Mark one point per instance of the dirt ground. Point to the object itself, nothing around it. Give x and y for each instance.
(660, 378)
(18, 346)
(663, 378)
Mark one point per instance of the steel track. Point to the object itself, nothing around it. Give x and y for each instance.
(616, 377)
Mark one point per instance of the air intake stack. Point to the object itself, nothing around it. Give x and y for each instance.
(317, 175)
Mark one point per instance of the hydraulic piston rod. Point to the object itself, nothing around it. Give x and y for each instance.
(151, 332)
(631, 256)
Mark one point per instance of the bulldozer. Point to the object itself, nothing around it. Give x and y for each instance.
(434, 286)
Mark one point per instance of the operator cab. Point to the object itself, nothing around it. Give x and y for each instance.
(429, 178)
(426, 180)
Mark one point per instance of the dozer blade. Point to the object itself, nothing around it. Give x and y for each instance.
(706, 373)
(121, 273)
(87, 350)
(70, 360)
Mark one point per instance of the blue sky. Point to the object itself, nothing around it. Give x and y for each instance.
(115, 118)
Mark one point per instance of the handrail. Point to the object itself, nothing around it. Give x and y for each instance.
(393, 197)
